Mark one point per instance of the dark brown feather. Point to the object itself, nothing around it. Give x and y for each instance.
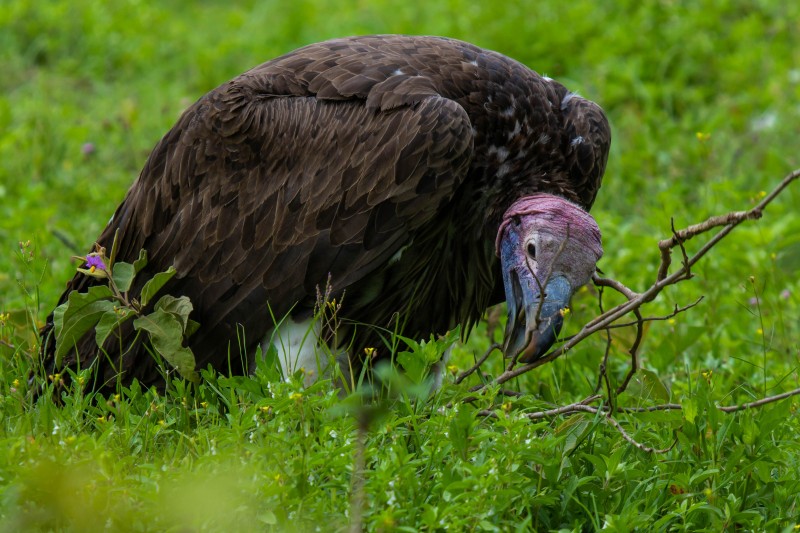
(328, 161)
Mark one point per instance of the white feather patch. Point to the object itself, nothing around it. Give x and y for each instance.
(299, 348)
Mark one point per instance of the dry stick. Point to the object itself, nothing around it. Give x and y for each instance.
(633, 352)
(639, 323)
(639, 445)
(636, 300)
(465, 374)
(581, 408)
(601, 373)
(614, 284)
(759, 403)
(729, 221)
(578, 406)
(675, 312)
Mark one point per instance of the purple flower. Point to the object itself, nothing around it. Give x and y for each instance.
(785, 294)
(93, 261)
(87, 148)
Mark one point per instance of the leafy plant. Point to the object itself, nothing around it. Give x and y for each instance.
(105, 308)
(87, 93)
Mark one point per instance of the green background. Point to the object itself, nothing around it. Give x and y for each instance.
(704, 102)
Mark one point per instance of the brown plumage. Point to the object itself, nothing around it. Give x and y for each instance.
(332, 160)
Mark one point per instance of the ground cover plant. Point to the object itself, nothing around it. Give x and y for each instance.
(703, 102)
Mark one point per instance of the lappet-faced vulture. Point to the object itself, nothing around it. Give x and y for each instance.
(424, 177)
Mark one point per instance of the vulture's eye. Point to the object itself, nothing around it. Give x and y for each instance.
(531, 250)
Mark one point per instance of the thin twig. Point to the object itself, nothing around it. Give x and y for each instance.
(565, 410)
(7, 344)
(729, 221)
(465, 374)
(614, 284)
(675, 312)
(601, 373)
(759, 403)
(605, 321)
(584, 407)
(634, 442)
(633, 352)
(581, 408)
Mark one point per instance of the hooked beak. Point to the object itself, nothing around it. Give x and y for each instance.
(534, 319)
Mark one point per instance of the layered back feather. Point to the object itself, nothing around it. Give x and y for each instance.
(380, 163)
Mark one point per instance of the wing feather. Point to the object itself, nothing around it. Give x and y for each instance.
(257, 198)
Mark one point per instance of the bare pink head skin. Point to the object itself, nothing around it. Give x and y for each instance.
(548, 248)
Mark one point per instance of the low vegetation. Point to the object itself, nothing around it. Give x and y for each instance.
(703, 100)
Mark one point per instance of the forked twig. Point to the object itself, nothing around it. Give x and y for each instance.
(465, 374)
(728, 223)
(635, 300)
(633, 352)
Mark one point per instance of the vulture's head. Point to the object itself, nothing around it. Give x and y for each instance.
(548, 248)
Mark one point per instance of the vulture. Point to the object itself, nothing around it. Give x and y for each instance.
(415, 180)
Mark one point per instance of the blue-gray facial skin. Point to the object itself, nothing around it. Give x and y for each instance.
(544, 259)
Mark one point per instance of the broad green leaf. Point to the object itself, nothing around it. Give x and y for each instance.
(180, 307)
(73, 319)
(154, 285)
(140, 263)
(166, 335)
(417, 361)
(414, 365)
(123, 274)
(109, 321)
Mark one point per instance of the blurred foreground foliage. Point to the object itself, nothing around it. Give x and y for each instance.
(703, 100)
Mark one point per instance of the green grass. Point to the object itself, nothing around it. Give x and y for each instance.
(261, 454)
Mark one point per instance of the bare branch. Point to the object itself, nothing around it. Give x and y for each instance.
(631, 440)
(759, 403)
(602, 375)
(570, 409)
(465, 374)
(675, 312)
(614, 284)
(3, 342)
(605, 321)
(633, 352)
(581, 408)
(729, 222)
